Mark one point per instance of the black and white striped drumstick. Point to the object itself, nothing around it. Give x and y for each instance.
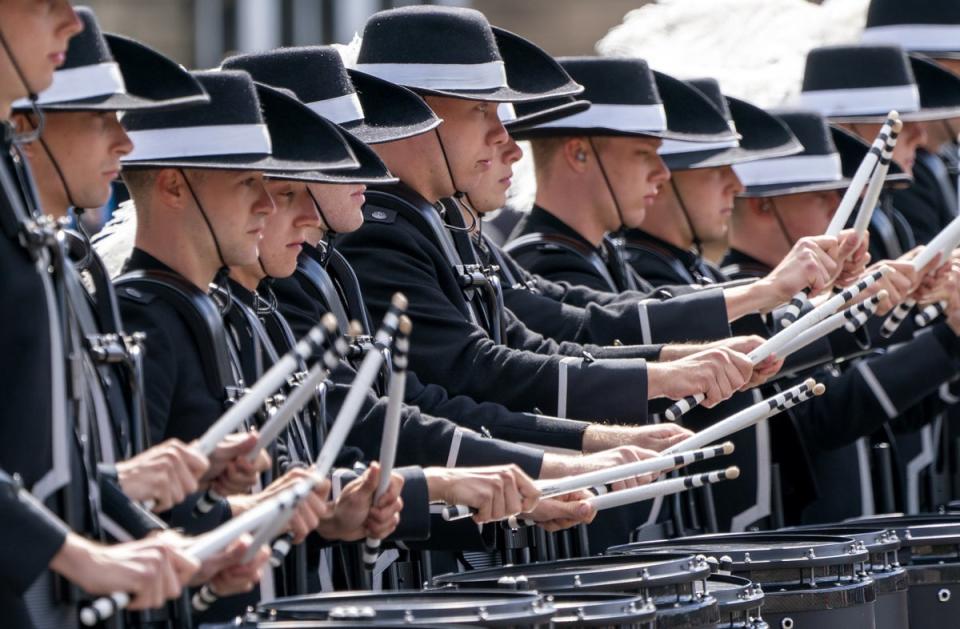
(783, 338)
(663, 487)
(942, 244)
(749, 416)
(336, 350)
(550, 488)
(930, 313)
(875, 187)
(848, 202)
(857, 315)
(391, 427)
(317, 339)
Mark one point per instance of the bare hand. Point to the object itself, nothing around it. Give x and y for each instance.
(164, 474)
(230, 472)
(495, 492)
(563, 512)
(151, 570)
(355, 514)
(717, 373)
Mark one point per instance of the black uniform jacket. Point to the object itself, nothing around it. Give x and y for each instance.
(563, 310)
(557, 262)
(428, 440)
(395, 251)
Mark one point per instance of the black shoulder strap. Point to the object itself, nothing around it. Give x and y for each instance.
(427, 221)
(663, 255)
(345, 277)
(199, 312)
(539, 241)
(321, 285)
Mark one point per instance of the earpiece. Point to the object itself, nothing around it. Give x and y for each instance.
(581, 156)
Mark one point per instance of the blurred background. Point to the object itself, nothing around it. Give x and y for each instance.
(199, 33)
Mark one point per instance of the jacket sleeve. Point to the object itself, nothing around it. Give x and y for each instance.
(32, 535)
(882, 388)
(120, 516)
(449, 350)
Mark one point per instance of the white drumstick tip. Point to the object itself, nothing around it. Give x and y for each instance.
(897, 124)
(728, 447)
(819, 388)
(355, 328)
(405, 325)
(399, 301)
(329, 322)
(732, 472)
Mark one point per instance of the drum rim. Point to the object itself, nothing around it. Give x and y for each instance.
(673, 568)
(605, 606)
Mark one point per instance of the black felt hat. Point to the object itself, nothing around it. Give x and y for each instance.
(530, 69)
(230, 133)
(931, 27)
(763, 135)
(625, 100)
(863, 83)
(369, 108)
(448, 51)
(115, 73)
(828, 161)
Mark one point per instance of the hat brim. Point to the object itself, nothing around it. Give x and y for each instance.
(530, 70)
(517, 126)
(753, 120)
(391, 112)
(263, 163)
(779, 190)
(495, 95)
(371, 171)
(152, 80)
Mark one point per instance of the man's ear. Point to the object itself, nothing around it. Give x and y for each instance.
(576, 154)
(169, 188)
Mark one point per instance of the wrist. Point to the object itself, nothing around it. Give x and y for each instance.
(657, 378)
(74, 558)
(438, 482)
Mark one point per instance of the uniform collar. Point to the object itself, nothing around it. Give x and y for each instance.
(542, 217)
(140, 260)
(735, 256)
(686, 256)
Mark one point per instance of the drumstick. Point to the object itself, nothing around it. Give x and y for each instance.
(941, 244)
(847, 203)
(550, 488)
(660, 488)
(778, 341)
(872, 195)
(926, 316)
(301, 394)
(852, 319)
(368, 372)
(274, 378)
(750, 416)
(391, 427)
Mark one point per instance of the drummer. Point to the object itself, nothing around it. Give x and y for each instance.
(931, 201)
(783, 201)
(33, 42)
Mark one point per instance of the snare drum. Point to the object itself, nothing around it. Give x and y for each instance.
(930, 552)
(675, 583)
(815, 581)
(883, 544)
(456, 608)
(739, 601)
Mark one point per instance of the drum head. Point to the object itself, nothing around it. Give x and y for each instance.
(444, 607)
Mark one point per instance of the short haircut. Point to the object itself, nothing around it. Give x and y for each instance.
(544, 151)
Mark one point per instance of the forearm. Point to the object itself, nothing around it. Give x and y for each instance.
(755, 297)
